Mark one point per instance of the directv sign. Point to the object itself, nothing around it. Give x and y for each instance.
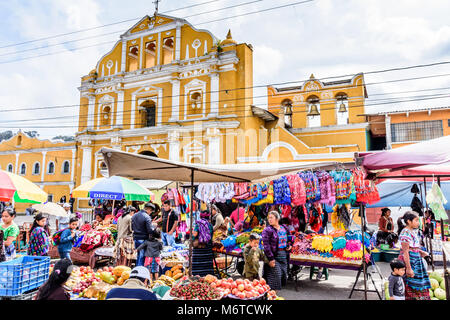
(107, 196)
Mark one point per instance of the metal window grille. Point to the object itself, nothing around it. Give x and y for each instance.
(416, 131)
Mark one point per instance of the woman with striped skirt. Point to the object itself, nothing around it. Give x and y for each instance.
(276, 247)
(202, 254)
(417, 283)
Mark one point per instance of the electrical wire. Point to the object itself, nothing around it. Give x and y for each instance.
(114, 32)
(102, 26)
(235, 108)
(221, 19)
(3, 108)
(239, 117)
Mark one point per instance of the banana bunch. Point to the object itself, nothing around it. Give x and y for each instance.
(167, 281)
(322, 243)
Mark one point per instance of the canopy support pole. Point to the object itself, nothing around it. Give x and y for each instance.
(363, 227)
(430, 236)
(191, 219)
(444, 257)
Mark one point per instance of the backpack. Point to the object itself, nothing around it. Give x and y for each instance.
(204, 234)
(56, 238)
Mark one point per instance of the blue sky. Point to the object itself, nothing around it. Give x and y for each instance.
(324, 37)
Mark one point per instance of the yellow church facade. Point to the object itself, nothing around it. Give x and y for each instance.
(170, 90)
(49, 164)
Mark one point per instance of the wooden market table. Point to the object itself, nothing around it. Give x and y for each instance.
(235, 257)
(315, 261)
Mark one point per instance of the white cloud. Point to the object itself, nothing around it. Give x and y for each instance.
(266, 61)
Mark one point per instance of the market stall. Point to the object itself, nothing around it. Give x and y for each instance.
(96, 243)
(428, 160)
(257, 182)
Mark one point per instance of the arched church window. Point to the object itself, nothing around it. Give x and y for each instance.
(313, 115)
(106, 116)
(133, 58)
(168, 50)
(196, 100)
(287, 108)
(342, 108)
(150, 54)
(148, 113)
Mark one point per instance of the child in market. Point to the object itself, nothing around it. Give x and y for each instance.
(67, 238)
(396, 284)
(153, 247)
(252, 255)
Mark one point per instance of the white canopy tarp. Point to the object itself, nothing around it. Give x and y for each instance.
(137, 166)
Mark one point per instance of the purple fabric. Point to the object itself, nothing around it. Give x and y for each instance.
(270, 241)
(429, 152)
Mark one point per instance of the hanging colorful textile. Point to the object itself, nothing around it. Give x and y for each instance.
(282, 193)
(316, 216)
(311, 186)
(297, 188)
(345, 188)
(366, 191)
(436, 200)
(267, 195)
(327, 190)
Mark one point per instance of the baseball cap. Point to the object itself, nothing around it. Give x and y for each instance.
(140, 272)
(149, 205)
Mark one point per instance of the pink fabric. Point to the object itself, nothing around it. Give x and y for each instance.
(298, 191)
(426, 153)
(234, 215)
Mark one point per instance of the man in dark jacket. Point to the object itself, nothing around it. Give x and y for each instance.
(141, 223)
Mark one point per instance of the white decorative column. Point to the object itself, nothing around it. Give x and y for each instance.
(86, 170)
(43, 168)
(119, 113)
(178, 42)
(91, 111)
(214, 112)
(123, 65)
(174, 145)
(133, 107)
(72, 171)
(175, 100)
(159, 50)
(213, 136)
(141, 49)
(17, 163)
(387, 122)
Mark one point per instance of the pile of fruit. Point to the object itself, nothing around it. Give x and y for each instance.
(176, 272)
(82, 278)
(195, 288)
(240, 288)
(437, 281)
(164, 280)
(121, 273)
(88, 283)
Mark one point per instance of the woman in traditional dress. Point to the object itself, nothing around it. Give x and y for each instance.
(125, 251)
(39, 243)
(276, 248)
(202, 254)
(10, 232)
(416, 278)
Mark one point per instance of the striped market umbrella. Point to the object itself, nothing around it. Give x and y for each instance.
(19, 189)
(113, 188)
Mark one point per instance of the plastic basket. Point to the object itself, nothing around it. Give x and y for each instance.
(23, 274)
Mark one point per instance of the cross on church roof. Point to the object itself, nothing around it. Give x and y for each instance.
(156, 2)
